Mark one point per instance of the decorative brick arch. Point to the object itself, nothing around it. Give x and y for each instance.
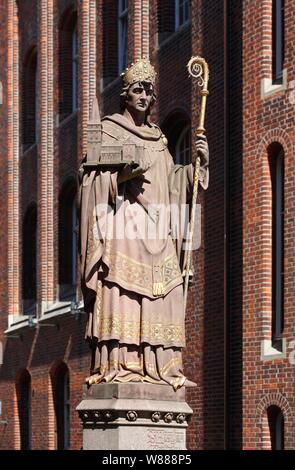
(279, 400)
(281, 137)
(59, 363)
(275, 135)
(176, 107)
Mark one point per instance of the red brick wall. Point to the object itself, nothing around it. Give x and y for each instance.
(265, 121)
(238, 194)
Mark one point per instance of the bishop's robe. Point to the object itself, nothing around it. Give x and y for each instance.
(131, 280)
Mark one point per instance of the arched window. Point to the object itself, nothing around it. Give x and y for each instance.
(68, 242)
(61, 398)
(182, 12)
(276, 162)
(29, 244)
(276, 427)
(122, 34)
(68, 64)
(178, 132)
(29, 100)
(23, 391)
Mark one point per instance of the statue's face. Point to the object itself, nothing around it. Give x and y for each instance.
(139, 96)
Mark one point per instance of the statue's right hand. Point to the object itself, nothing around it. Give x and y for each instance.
(128, 172)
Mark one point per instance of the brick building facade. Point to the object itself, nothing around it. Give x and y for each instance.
(55, 56)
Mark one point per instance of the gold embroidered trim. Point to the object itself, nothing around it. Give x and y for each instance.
(160, 332)
(134, 275)
(115, 328)
(139, 331)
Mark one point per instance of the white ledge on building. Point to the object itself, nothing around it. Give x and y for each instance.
(57, 309)
(270, 352)
(61, 308)
(269, 89)
(16, 322)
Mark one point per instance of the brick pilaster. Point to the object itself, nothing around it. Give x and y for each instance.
(13, 152)
(46, 285)
(140, 31)
(145, 36)
(92, 48)
(87, 69)
(137, 16)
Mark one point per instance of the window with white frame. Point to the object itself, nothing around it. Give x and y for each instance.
(183, 147)
(182, 12)
(122, 34)
(74, 69)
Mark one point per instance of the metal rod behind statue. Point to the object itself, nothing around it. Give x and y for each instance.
(198, 69)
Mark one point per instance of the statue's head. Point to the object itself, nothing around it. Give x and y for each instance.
(138, 77)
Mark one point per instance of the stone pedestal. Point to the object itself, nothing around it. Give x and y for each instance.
(134, 416)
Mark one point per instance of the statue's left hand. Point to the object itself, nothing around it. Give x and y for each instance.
(203, 149)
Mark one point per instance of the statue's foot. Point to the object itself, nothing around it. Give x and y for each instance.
(93, 379)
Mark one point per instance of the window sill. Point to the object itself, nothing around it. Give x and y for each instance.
(268, 89)
(58, 309)
(16, 323)
(173, 36)
(269, 352)
(61, 308)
